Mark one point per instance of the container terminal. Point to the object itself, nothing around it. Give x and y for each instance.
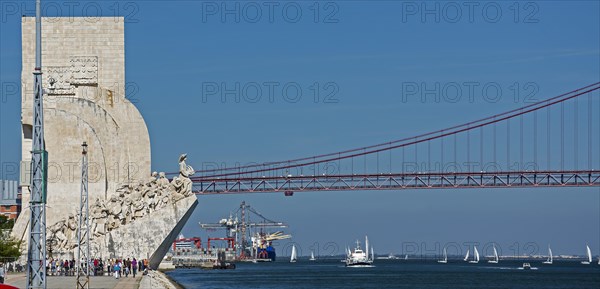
(248, 237)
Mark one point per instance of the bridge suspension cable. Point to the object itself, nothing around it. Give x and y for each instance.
(239, 171)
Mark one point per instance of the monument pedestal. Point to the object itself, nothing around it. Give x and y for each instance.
(149, 237)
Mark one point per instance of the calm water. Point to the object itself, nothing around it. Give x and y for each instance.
(393, 274)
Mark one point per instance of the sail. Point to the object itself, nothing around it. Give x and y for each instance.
(495, 254)
(550, 253)
(467, 256)
(476, 255)
(367, 246)
(589, 253)
(312, 255)
(372, 254)
(293, 256)
(445, 255)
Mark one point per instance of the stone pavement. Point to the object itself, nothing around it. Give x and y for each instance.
(96, 282)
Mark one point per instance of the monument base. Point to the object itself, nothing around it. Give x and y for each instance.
(146, 238)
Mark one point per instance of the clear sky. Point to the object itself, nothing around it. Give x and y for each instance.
(359, 53)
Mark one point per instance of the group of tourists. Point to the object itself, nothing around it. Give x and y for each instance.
(116, 267)
(124, 267)
(110, 267)
(60, 267)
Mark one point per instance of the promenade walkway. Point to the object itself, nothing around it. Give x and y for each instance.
(96, 282)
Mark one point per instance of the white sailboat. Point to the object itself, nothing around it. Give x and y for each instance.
(549, 260)
(589, 256)
(312, 256)
(476, 256)
(445, 260)
(406, 257)
(293, 256)
(495, 260)
(467, 256)
(372, 254)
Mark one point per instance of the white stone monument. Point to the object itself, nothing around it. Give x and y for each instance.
(84, 100)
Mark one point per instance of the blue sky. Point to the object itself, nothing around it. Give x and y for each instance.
(365, 51)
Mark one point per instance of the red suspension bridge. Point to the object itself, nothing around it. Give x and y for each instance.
(551, 143)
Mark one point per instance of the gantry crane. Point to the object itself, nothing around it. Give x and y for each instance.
(241, 228)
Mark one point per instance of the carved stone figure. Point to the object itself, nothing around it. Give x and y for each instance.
(139, 208)
(57, 235)
(183, 183)
(98, 216)
(163, 182)
(153, 177)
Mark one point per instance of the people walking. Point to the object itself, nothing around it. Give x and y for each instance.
(134, 267)
(127, 265)
(117, 270)
(2, 273)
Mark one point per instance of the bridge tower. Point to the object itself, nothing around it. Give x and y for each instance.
(83, 230)
(36, 253)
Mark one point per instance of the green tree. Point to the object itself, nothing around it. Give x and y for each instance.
(9, 248)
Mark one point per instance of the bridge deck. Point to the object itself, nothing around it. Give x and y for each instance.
(398, 182)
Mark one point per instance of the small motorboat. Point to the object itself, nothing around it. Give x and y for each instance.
(527, 266)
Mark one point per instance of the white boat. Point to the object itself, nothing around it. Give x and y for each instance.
(312, 256)
(293, 257)
(598, 260)
(475, 257)
(406, 257)
(589, 256)
(549, 260)
(467, 256)
(358, 257)
(527, 266)
(388, 257)
(445, 260)
(495, 260)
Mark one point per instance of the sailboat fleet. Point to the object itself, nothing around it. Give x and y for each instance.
(362, 258)
(495, 258)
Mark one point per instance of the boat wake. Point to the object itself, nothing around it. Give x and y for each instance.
(361, 266)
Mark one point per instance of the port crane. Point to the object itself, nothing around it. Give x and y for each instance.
(248, 234)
